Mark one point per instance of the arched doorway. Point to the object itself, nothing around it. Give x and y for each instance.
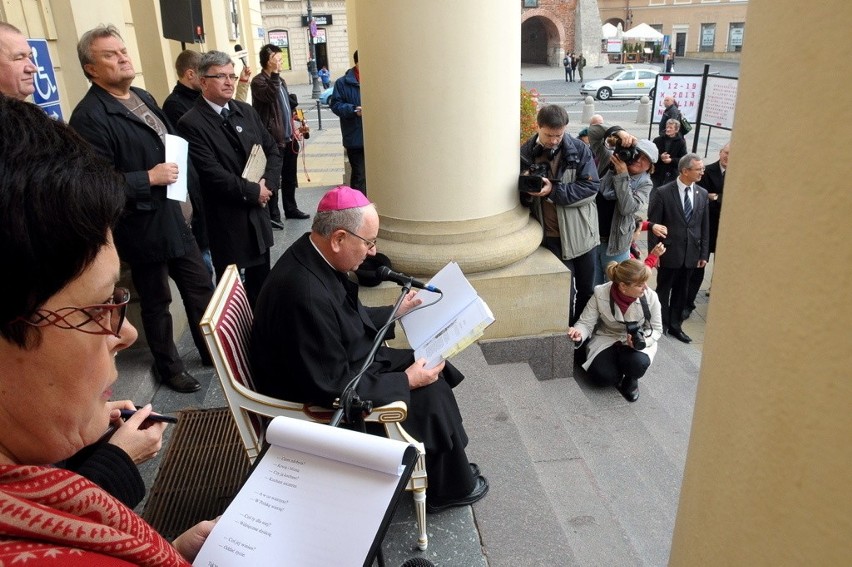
(540, 42)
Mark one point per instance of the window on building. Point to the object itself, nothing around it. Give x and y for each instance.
(234, 24)
(708, 37)
(735, 36)
(281, 38)
(658, 27)
(530, 3)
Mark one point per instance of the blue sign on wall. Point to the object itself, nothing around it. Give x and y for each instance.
(46, 93)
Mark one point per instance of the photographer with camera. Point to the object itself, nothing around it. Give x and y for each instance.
(623, 323)
(624, 191)
(559, 183)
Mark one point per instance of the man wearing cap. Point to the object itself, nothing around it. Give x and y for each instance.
(624, 193)
(311, 334)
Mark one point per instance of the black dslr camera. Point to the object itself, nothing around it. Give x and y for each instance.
(635, 332)
(534, 180)
(628, 155)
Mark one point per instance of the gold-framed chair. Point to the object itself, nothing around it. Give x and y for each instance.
(226, 325)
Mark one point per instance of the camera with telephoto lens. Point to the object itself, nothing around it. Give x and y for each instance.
(626, 154)
(635, 332)
(533, 181)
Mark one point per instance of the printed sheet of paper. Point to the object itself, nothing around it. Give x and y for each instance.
(177, 150)
(449, 326)
(299, 507)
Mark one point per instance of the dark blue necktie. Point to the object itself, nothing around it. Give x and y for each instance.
(687, 205)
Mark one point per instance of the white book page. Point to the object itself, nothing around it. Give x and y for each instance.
(177, 150)
(423, 324)
(299, 508)
(460, 333)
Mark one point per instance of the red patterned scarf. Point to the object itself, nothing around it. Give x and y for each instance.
(51, 516)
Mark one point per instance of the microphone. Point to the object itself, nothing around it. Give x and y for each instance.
(241, 53)
(384, 273)
(418, 562)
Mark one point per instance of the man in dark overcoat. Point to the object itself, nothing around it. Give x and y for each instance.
(221, 133)
(154, 235)
(311, 335)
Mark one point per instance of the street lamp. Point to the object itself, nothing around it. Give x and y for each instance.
(312, 48)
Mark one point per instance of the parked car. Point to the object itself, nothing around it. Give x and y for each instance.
(627, 83)
(325, 96)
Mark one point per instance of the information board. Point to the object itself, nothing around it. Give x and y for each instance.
(685, 89)
(720, 101)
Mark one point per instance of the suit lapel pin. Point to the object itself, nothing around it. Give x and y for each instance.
(239, 129)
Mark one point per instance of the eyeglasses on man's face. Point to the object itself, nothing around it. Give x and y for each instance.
(370, 243)
(101, 319)
(222, 77)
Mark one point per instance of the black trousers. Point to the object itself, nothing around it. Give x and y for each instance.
(289, 182)
(435, 420)
(253, 276)
(672, 287)
(151, 280)
(582, 276)
(358, 179)
(616, 362)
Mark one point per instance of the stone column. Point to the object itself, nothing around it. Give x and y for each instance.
(440, 91)
(767, 472)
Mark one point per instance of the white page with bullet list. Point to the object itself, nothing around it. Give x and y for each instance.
(316, 498)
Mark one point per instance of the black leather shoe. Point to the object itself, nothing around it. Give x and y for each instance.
(277, 224)
(297, 214)
(183, 382)
(629, 389)
(480, 489)
(680, 335)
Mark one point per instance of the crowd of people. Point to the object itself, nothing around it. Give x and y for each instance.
(597, 192)
(75, 199)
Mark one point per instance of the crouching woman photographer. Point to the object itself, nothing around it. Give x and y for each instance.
(623, 323)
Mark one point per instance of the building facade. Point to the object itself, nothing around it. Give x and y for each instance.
(707, 29)
(285, 23)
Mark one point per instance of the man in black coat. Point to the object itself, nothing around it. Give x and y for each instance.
(714, 182)
(221, 133)
(154, 236)
(682, 206)
(311, 335)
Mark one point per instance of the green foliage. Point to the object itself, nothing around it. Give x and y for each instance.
(529, 108)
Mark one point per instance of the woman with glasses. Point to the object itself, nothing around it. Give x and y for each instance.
(61, 326)
(623, 323)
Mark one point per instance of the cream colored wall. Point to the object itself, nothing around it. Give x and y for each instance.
(767, 478)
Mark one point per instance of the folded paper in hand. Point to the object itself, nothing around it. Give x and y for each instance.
(255, 165)
(451, 325)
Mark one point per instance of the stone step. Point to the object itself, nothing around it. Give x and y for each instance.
(516, 521)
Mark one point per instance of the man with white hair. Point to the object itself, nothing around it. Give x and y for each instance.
(16, 64)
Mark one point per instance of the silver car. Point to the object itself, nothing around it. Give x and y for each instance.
(628, 83)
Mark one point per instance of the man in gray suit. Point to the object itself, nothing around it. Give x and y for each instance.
(682, 206)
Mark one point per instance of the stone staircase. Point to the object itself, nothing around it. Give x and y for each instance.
(578, 475)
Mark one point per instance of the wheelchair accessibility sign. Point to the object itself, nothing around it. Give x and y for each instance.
(46, 93)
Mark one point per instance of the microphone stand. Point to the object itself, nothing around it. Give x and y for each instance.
(349, 404)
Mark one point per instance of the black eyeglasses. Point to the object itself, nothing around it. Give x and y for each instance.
(221, 77)
(90, 314)
(370, 243)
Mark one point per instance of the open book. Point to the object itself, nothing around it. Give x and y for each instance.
(449, 326)
(318, 495)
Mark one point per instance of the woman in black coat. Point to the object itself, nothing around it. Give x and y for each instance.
(671, 147)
